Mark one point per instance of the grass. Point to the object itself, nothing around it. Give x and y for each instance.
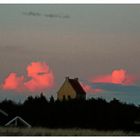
(62, 132)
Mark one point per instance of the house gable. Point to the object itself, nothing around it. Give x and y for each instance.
(71, 89)
(18, 122)
(66, 91)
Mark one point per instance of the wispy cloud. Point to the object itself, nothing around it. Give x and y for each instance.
(117, 87)
(31, 13)
(56, 16)
(48, 15)
(111, 87)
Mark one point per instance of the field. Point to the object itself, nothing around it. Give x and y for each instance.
(62, 132)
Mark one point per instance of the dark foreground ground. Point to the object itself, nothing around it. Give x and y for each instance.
(63, 132)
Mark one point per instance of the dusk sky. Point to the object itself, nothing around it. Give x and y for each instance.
(42, 44)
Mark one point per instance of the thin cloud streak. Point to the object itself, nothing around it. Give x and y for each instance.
(49, 15)
(111, 87)
(31, 13)
(117, 87)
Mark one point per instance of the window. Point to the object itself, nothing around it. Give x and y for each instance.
(64, 98)
(69, 97)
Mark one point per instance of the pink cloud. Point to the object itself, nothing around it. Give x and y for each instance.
(89, 89)
(13, 82)
(41, 77)
(119, 76)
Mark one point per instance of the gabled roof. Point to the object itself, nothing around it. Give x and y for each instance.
(76, 85)
(3, 117)
(18, 121)
(3, 112)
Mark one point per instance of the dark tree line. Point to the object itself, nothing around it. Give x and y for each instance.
(92, 113)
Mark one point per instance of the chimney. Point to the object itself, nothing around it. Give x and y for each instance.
(76, 79)
(67, 78)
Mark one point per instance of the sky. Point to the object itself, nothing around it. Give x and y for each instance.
(42, 44)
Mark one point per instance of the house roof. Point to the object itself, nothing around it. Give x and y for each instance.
(76, 85)
(3, 112)
(3, 117)
(18, 121)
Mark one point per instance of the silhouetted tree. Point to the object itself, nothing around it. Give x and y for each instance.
(51, 99)
(92, 113)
